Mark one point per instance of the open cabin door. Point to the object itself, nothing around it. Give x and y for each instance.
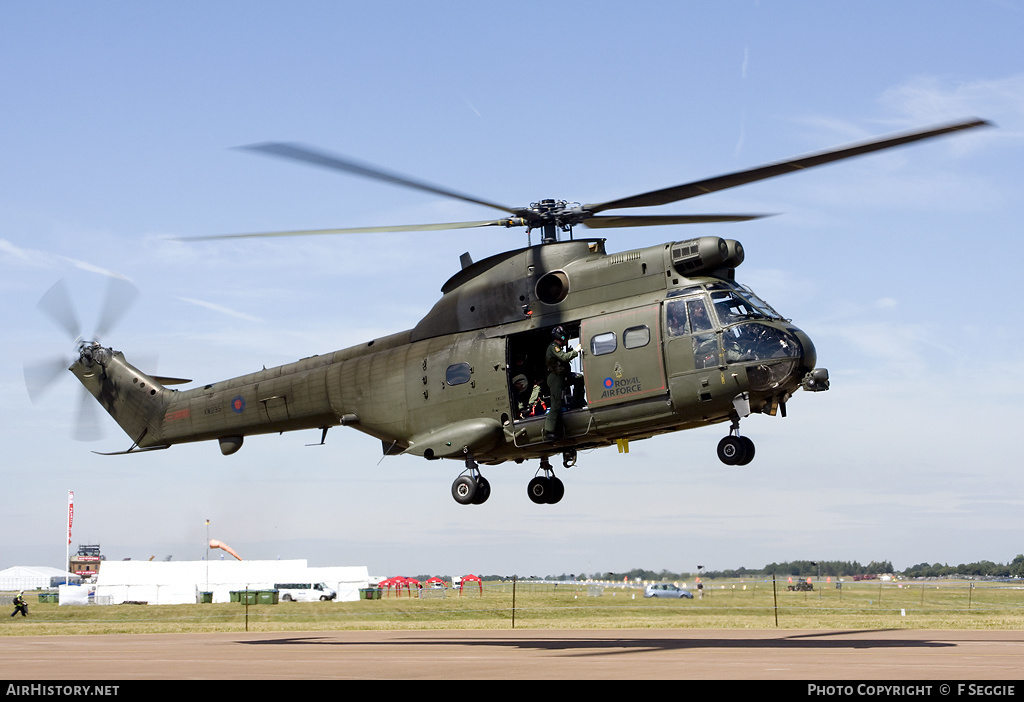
(622, 356)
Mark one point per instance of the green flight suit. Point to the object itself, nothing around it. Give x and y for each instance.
(559, 372)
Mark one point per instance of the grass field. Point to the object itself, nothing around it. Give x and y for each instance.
(728, 605)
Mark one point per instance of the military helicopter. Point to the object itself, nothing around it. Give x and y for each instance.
(667, 339)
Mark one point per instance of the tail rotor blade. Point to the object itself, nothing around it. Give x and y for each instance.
(41, 377)
(87, 426)
(121, 295)
(56, 304)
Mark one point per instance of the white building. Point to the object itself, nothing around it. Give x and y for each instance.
(19, 578)
(181, 582)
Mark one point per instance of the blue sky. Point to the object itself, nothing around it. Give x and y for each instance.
(118, 123)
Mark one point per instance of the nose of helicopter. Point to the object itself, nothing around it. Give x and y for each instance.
(808, 354)
(810, 377)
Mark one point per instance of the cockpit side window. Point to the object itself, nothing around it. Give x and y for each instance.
(727, 307)
(675, 318)
(699, 319)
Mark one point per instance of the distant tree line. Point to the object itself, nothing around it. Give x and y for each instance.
(833, 569)
(803, 569)
(1014, 569)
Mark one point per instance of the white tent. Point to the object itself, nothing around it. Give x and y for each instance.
(74, 594)
(180, 582)
(33, 578)
(344, 580)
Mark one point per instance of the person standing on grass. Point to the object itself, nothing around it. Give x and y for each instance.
(20, 605)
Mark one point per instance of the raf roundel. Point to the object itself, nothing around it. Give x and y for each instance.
(609, 383)
(238, 405)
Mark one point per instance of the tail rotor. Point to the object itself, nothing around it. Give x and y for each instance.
(43, 375)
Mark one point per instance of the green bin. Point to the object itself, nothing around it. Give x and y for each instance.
(370, 593)
(236, 596)
(205, 598)
(267, 597)
(248, 597)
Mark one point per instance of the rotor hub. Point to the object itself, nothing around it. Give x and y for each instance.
(554, 215)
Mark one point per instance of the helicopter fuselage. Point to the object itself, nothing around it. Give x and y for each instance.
(665, 340)
(669, 341)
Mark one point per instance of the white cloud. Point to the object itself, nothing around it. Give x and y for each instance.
(221, 309)
(929, 99)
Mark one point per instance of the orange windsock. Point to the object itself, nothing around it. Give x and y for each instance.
(221, 545)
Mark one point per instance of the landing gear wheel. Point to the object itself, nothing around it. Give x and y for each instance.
(464, 490)
(748, 451)
(736, 450)
(483, 490)
(557, 491)
(731, 451)
(539, 490)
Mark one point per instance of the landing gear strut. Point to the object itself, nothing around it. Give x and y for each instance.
(735, 450)
(471, 488)
(546, 489)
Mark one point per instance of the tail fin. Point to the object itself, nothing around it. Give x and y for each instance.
(135, 400)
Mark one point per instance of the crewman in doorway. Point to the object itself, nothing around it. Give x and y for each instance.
(557, 360)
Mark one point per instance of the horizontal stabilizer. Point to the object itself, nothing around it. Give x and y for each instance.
(164, 380)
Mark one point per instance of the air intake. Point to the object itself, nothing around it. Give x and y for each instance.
(699, 255)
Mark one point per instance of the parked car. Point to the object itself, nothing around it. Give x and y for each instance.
(666, 590)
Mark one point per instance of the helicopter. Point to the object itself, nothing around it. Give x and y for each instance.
(665, 339)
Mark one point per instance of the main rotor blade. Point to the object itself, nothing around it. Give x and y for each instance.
(56, 304)
(609, 221)
(509, 222)
(731, 180)
(305, 154)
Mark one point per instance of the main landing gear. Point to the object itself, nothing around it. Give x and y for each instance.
(735, 450)
(545, 489)
(471, 488)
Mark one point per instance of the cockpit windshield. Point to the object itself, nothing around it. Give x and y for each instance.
(738, 304)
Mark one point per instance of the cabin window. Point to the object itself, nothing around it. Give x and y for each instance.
(603, 344)
(636, 337)
(458, 373)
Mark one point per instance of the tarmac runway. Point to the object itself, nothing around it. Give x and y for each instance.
(899, 654)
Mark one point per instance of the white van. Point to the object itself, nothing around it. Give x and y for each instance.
(304, 592)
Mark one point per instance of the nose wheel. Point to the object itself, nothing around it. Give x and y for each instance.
(735, 450)
(545, 489)
(471, 488)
